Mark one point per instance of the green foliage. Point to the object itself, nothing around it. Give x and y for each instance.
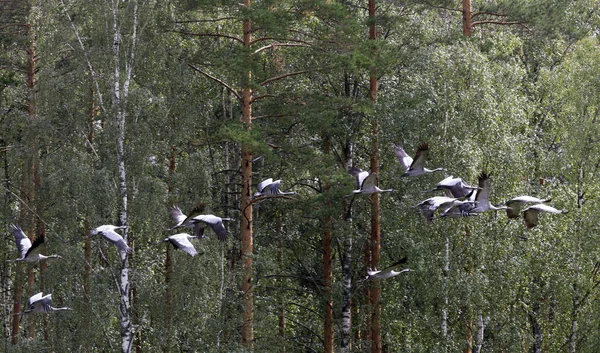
(518, 101)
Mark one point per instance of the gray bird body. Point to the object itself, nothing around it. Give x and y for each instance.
(108, 232)
(269, 187)
(28, 252)
(40, 303)
(457, 187)
(182, 241)
(366, 182)
(416, 166)
(531, 213)
(513, 206)
(482, 196)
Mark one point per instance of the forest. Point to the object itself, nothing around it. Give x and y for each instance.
(181, 176)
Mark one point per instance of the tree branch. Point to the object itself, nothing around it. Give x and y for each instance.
(208, 20)
(487, 13)
(504, 23)
(261, 97)
(262, 39)
(268, 116)
(277, 44)
(234, 92)
(210, 35)
(267, 81)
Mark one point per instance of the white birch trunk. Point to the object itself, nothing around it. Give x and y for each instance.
(120, 103)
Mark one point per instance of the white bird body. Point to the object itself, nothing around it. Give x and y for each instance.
(28, 252)
(429, 206)
(108, 232)
(366, 182)
(531, 213)
(384, 274)
(416, 166)
(514, 205)
(40, 303)
(269, 187)
(182, 241)
(387, 272)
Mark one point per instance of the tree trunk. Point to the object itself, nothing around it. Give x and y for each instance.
(536, 329)
(246, 205)
(327, 267)
(467, 18)
(346, 259)
(480, 334)
(120, 111)
(169, 262)
(375, 201)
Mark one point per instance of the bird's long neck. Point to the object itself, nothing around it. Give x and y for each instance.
(59, 309)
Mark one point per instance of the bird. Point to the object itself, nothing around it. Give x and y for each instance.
(530, 214)
(387, 272)
(180, 218)
(268, 187)
(367, 182)
(445, 203)
(40, 303)
(28, 252)
(456, 186)
(513, 206)
(108, 232)
(181, 241)
(197, 223)
(416, 166)
(482, 196)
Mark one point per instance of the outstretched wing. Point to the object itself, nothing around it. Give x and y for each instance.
(23, 243)
(116, 239)
(404, 159)
(360, 175)
(261, 186)
(177, 215)
(216, 224)
(182, 241)
(420, 156)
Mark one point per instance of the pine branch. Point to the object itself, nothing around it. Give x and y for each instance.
(269, 80)
(277, 44)
(504, 23)
(208, 20)
(221, 82)
(218, 35)
(263, 39)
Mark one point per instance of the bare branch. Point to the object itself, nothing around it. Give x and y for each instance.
(263, 39)
(268, 116)
(208, 20)
(267, 81)
(234, 92)
(261, 97)
(86, 55)
(277, 44)
(218, 35)
(488, 13)
(14, 25)
(504, 23)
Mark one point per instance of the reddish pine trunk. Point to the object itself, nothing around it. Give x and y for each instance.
(327, 269)
(467, 18)
(375, 204)
(246, 206)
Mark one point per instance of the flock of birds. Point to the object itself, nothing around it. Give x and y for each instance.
(460, 199)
